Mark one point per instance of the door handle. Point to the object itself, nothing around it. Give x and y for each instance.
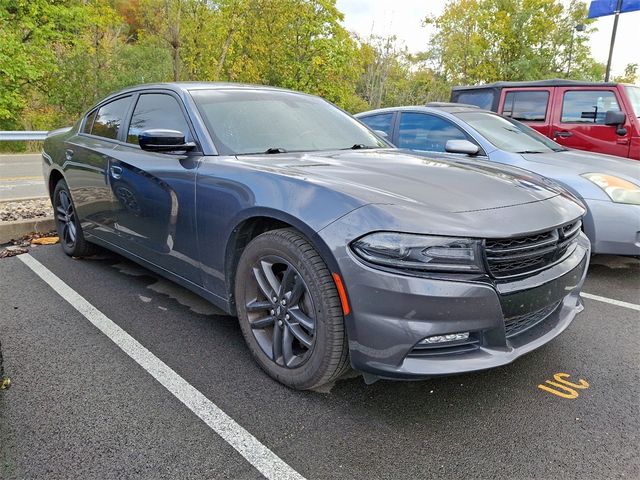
(622, 141)
(68, 154)
(116, 172)
(563, 134)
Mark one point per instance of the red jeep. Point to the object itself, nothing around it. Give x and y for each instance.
(599, 117)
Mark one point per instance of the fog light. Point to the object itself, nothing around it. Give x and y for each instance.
(450, 337)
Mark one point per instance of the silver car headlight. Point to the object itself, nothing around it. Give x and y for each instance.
(618, 190)
(420, 252)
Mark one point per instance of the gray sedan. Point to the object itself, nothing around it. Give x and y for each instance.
(331, 248)
(609, 186)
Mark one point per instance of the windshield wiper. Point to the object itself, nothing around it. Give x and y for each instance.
(275, 150)
(358, 146)
(531, 151)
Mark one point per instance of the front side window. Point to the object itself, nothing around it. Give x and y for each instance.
(157, 111)
(420, 131)
(109, 119)
(244, 122)
(588, 106)
(382, 122)
(527, 106)
(508, 135)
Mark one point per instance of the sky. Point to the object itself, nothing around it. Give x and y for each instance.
(403, 18)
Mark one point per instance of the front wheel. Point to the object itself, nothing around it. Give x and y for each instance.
(289, 310)
(68, 223)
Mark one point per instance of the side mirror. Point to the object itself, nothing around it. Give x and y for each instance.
(614, 117)
(461, 146)
(163, 141)
(382, 134)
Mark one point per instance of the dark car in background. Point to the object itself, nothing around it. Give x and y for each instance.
(609, 186)
(331, 247)
(598, 117)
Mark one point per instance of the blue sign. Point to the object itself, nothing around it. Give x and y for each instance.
(601, 8)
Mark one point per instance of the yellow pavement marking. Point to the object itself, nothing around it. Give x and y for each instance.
(564, 388)
(13, 179)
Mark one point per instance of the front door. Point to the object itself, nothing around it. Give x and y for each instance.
(579, 121)
(154, 213)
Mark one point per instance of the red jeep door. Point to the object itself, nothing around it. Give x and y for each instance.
(528, 105)
(578, 120)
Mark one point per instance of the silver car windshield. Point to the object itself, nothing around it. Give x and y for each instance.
(634, 95)
(243, 121)
(509, 135)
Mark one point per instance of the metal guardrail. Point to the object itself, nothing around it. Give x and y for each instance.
(21, 136)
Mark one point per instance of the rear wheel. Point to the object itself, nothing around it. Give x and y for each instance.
(289, 310)
(68, 224)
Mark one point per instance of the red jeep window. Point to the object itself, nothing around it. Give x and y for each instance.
(527, 106)
(587, 106)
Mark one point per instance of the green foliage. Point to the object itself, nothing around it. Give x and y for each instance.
(58, 57)
(479, 41)
(630, 74)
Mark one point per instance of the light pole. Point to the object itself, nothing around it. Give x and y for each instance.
(578, 28)
(613, 38)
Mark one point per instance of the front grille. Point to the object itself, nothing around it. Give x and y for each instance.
(521, 323)
(508, 257)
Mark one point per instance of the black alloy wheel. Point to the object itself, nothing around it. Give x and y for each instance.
(280, 311)
(289, 310)
(68, 225)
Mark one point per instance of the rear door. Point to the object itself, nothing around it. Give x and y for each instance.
(579, 120)
(531, 106)
(154, 212)
(87, 158)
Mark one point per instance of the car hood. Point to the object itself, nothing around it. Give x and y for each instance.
(580, 162)
(397, 177)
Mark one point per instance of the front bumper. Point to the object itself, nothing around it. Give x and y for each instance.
(391, 313)
(614, 228)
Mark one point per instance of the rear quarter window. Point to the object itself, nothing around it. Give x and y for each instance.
(483, 99)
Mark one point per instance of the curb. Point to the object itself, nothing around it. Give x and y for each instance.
(19, 228)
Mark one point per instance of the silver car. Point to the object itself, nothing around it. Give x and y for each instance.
(609, 186)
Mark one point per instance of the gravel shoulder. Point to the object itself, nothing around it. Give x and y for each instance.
(25, 210)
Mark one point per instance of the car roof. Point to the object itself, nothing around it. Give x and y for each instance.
(554, 82)
(429, 108)
(184, 87)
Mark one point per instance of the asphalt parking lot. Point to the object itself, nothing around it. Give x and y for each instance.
(80, 407)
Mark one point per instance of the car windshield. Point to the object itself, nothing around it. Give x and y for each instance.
(634, 95)
(509, 135)
(256, 121)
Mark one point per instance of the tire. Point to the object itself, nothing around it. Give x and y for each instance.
(68, 225)
(312, 323)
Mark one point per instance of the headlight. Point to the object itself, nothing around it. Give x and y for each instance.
(618, 190)
(420, 252)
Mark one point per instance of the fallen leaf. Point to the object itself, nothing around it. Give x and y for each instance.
(45, 241)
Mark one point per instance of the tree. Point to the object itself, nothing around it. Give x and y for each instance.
(479, 41)
(630, 74)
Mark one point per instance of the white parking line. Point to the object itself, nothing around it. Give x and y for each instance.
(611, 301)
(257, 454)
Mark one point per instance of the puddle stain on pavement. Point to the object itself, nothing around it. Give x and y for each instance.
(181, 295)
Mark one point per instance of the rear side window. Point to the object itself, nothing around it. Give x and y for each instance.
(587, 106)
(420, 131)
(109, 119)
(528, 106)
(382, 122)
(482, 99)
(89, 122)
(157, 111)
